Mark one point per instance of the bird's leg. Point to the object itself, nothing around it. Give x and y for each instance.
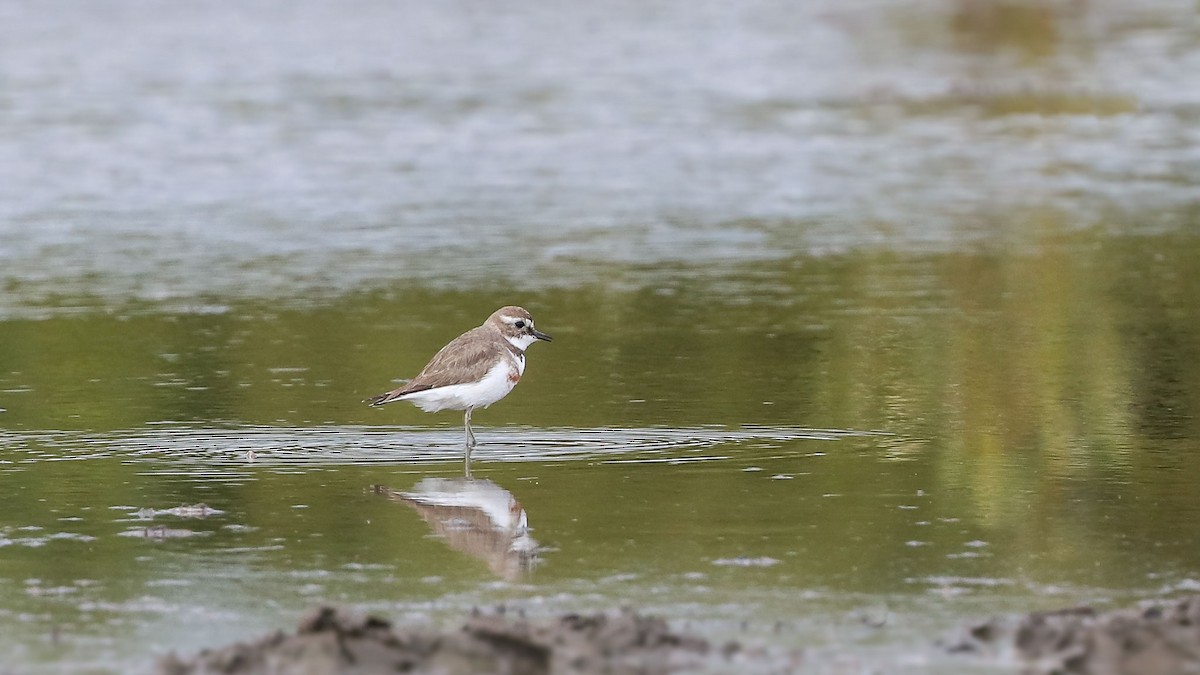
(470, 434)
(470, 443)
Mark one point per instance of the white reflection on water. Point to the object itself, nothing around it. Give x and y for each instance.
(477, 517)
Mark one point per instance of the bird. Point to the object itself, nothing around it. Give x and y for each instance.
(474, 370)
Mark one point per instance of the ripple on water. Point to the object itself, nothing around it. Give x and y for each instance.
(190, 450)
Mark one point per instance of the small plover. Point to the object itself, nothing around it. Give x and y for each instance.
(474, 370)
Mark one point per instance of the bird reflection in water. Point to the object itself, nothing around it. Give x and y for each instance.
(477, 517)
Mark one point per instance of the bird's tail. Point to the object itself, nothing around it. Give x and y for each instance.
(396, 394)
(386, 397)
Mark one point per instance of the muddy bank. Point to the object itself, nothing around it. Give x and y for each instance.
(1156, 639)
(332, 640)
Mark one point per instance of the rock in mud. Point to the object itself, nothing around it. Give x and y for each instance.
(332, 640)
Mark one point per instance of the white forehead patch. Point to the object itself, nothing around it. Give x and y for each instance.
(508, 318)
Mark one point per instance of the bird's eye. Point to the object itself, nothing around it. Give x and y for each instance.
(519, 324)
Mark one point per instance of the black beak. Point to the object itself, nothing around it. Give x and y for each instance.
(542, 336)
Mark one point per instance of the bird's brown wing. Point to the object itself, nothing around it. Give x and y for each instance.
(466, 358)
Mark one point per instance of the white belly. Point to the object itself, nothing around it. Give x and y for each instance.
(493, 387)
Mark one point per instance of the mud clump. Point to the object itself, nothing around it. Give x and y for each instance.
(332, 640)
(1155, 640)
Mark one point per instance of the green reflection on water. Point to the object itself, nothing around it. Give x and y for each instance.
(1088, 341)
(1037, 410)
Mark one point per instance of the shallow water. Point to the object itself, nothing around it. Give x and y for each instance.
(857, 469)
(870, 319)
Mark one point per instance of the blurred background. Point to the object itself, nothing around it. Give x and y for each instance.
(899, 295)
(167, 152)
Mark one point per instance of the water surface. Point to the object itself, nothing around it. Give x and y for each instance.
(870, 319)
(854, 452)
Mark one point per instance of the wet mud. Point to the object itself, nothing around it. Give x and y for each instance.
(1157, 639)
(333, 640)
